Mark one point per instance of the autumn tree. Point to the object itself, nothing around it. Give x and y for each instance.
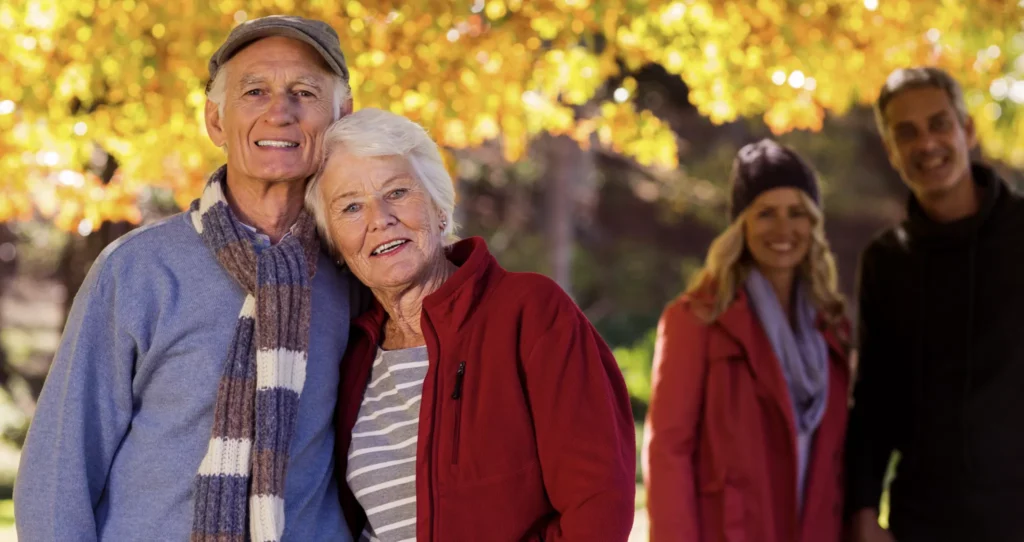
(84, 79)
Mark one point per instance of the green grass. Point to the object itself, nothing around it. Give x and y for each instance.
(6, 513)
(890, 473)
(7, 533)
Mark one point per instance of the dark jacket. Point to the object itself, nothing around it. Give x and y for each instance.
(941, 368)
(720, 441)
(525, 428)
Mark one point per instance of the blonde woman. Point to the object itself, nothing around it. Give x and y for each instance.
(744, 437)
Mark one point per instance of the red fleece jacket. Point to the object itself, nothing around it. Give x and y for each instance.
(525, 428)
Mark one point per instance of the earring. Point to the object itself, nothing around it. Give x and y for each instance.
(444, 223)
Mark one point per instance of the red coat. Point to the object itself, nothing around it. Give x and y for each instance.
(537, 443)
(720, 442)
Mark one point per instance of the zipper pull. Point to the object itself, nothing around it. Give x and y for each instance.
(458, 380)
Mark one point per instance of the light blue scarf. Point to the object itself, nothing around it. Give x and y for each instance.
(803, 354)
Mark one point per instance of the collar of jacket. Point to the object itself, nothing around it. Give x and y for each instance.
(923, 229)
(739, 321)
(452, 304)
(741, 324)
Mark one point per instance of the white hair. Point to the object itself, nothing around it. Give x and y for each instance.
(373, 132)
(218, 91)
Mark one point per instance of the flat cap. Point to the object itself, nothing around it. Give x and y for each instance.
(317, 34)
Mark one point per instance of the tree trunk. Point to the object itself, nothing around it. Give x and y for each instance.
(570, 171)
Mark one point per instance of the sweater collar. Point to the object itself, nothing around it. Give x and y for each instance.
(921, 227)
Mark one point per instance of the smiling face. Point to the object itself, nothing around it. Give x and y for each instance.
(777, 230)
(381, 218)
(278, 103)
(927, 143)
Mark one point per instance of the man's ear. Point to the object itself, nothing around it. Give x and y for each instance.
(890, 149)
(346, 109)
(213, 124)
(970, 133)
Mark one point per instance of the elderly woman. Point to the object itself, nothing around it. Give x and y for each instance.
(475, 403)
(745, 432)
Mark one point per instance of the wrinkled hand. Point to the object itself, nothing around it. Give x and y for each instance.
(864, 527)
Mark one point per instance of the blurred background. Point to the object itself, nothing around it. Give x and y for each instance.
(590, 139)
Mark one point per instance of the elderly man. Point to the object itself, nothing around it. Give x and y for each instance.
(176, 407)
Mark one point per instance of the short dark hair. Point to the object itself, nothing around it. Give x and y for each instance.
(904, 79)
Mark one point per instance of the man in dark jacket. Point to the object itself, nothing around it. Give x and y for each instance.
(941, 335)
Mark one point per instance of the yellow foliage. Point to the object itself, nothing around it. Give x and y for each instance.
(128, 75)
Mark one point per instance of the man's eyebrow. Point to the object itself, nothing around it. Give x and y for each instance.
(309, 80)
(251, 79)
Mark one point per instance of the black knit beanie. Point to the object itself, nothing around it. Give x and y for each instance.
(765, 165)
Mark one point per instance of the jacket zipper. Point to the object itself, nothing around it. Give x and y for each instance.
(457, 396)
(430, 461)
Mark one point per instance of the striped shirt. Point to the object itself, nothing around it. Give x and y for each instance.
(382, 456)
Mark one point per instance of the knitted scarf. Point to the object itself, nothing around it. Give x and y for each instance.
(258, 396)
(803, 354)
(802, 350)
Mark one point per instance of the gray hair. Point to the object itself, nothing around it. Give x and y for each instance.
(373, 132)
(904, 79)
(218, 91)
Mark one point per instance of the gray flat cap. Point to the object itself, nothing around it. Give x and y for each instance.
(317, 34)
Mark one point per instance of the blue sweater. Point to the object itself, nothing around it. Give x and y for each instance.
(124, 418)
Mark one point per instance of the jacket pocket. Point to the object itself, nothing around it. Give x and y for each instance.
(457, 397)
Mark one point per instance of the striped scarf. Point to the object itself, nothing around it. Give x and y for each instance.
(258, 396)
